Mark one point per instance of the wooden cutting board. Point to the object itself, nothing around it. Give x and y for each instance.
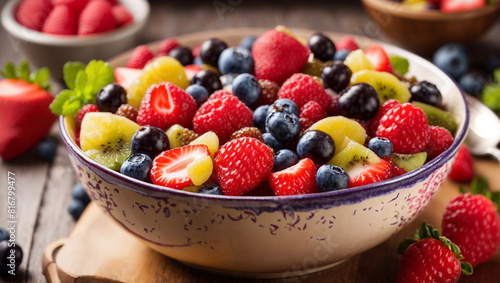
(100, 251)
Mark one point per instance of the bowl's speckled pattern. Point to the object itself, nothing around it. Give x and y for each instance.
(269, 236)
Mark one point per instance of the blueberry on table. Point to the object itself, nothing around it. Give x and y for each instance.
(211, 49)
(359, 101)
(237, 60)
(248, 41)
(182, 54)
(150, 141)
(4, 234)
(427, 93)
(272, 142)
(317, 146)
(208, 79)
(283, 159)
(246, 88)
(80, 194)
(452, 58)
(199, 93)
(46, 149)
(321, 46)
(137, 166)
(382, 147)
(111, 97)
(211, 190)
(336, 76)
(76, 208)
(331, 178)
(259, 117)
(284, 104)
(472, 84)
(283, 126)
(5, 252)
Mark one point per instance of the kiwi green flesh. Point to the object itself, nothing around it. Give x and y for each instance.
(438, 117)
(388, 90)
(352, 155)
(409, 162)
(111, 154)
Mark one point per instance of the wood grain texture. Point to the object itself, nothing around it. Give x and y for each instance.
(45, 189)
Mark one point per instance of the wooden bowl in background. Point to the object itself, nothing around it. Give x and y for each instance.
(424, 32)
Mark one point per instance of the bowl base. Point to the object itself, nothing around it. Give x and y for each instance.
(266, 275)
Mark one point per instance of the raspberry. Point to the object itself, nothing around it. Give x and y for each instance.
(333, 110)
(375, 121)
(250, 132)
(347, 42)
(441, 139)
(224, 114)
(301, 88)
(406, 127)
(85, 109)
(310, 113)
(127, 111)
(168, 45)
(140, 57)
(268, 92)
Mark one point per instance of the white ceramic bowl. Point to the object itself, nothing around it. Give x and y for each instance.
(269, 236)
(46, 50)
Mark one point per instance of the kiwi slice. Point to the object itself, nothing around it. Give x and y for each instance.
(179, 136)
(438, 117)
(352, 155)
(106, 137)
(409, 162)
(387, 85)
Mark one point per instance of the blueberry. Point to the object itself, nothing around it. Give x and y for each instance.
(46, 149)
(452, 58)
(211, 49)
(248, 41)
(341, 54)
(111, 97)
(79, 193)
(76, 208)
(235, 60)
(198, 61)
(137, 166)
(228, 79)
(427, 93)
(359, 101)
(259, 117)
(317, 146)
(472, 84)
(199, 93)
(208, 79)
(272, 142)
(246, 88)
(381, 146)
(5, 252)
(182, 54)
(283, 159)
(150, 141)
(211, 190)
(336, 76)
(321, 46)
(283, 125)
(4, 234)
(284, 104)
(331, 178)
(492, 63)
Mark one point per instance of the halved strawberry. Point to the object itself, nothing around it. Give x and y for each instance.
(170, 168)
(191, 70)
(166, 104)
(370, 173)
(451, 6)
(377, 56)
(295, 180)
(125, 76)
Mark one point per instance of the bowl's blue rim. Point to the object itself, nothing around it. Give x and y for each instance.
(334, 198)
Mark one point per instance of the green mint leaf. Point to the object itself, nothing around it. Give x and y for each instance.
(9, 72)
(399, 64)
(70, 70)
(491, 96)
(41, 78)
(23, 71)
(496, 75)
(99, 74)
(81, 80)
(57, 105)
(72, 106)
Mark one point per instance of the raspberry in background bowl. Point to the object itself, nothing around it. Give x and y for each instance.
(53, 51)
(269, 236)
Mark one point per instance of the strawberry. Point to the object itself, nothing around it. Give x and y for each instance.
(33, 13)
(96, 17)
(223, 114)
(85, 109)
(111, 2)
(170, 168)
(377, 56)
(76, 5)
(25, 117)
(196, 51)
(430, 258)
(268, 93)
(122, 15)
(369, 173)
(125, 76)
(375, 121)
(451, 6)
(302, 88)
(277, 56)
(396, 170)
(241, 164)
(168, 45)
(140, 57)
(310, 113)
(471, 221)
(441, 139)
(347, 42)
(295, 180)
(462, 169)
(62, 20)
(406, 127)
(191, 71)
(166, 104)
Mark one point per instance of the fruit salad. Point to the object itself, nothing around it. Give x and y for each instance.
(445, 6)
(278, 115)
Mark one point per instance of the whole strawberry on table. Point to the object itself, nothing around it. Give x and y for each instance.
(281, 116)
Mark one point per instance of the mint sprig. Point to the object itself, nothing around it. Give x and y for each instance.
(84, 82)
(23, 72)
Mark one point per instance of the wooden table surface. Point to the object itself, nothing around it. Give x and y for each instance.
(44, 190)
